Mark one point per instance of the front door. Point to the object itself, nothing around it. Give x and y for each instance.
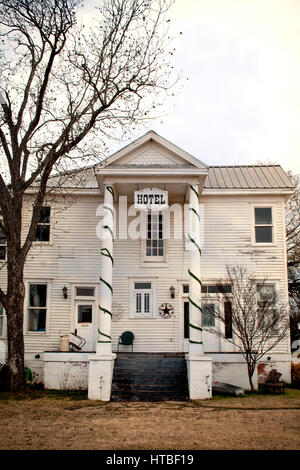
(84, 323)
(211, 341)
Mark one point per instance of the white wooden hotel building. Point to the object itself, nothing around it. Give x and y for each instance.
(95, 268)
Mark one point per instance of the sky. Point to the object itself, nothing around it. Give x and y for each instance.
(241, 102)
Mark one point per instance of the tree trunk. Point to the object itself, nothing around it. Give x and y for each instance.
(14, 313)
(251, 369)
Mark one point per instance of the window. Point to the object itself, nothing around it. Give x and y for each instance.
(43, 228)
(37, 307)
(266, 294)
(267, 299)
(208, 317)
(228, 319)
(143, 302)
(85, 313)
(217, 289)
(263, 225)
(2, 321)
(85, 292)
(2, 246)
(154, 241)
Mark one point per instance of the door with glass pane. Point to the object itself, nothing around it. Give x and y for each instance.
(84, 323)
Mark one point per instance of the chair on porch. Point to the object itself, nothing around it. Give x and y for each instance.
(126, 339)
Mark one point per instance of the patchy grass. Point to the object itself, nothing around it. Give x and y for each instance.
(68, 420)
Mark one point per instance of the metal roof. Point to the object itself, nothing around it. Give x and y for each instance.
(247, 177)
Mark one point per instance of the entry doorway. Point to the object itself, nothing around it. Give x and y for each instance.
(85, 316)
(211, 341)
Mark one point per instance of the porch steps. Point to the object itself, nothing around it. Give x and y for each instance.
(149, 377)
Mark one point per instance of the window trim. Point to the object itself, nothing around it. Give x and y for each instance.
(266, 206)
(29, 282)
(132, 303)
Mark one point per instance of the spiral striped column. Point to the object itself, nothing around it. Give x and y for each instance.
(106, 289)
(194, 270)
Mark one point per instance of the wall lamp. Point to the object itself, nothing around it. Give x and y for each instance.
(65, 292)
(172, 290)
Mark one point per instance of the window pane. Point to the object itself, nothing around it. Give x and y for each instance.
(45, 215)
(85, 291)
(42, 233)
(186, 289)
(37, 295)
(228, 319)
(208, 318)
(2, 252)
(267, 292)
(2, 238)
(263, 215)
(138, 303)
(219, 289)
(186, 319)
(85, 313)
(142, 285)
(37, 319)
(146, 303)
(263, 234)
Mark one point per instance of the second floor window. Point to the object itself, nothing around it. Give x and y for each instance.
(263, 225)
(43, 228)
(155, 242)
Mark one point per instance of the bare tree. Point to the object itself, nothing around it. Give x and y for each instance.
(253, 317)
(60, 86)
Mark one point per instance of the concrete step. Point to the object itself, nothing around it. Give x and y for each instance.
(150, 377)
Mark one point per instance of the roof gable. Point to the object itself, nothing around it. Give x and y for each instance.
(152, 150)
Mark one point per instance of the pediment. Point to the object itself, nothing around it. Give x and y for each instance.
(152, 150)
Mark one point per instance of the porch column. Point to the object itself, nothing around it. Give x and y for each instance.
(195, 341)
(101, 364)
(199, 366)
(106, 290)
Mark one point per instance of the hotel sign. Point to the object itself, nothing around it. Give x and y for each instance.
(152, 199)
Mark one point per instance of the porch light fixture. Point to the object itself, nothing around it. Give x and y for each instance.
(65, 292)
(172, 290)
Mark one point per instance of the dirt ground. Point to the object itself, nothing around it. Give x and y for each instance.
(39, 420)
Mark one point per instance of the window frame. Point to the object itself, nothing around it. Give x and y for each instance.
(276, 290)
(272, 225)
(133, 294)
(45, 242)
(154, 260)
(27, 307)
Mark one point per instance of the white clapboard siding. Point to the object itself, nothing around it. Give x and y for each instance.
(73, 256)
